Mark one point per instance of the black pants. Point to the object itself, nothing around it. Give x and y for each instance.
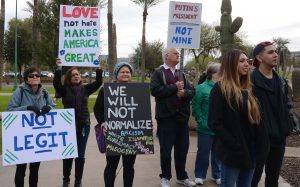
(272, 167)
(173, 133)
(33, 174)
(111, 168)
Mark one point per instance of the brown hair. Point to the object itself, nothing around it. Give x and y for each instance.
(232, 85)
(68, 76)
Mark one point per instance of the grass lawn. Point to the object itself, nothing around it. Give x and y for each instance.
(50, 90)
(5, 100)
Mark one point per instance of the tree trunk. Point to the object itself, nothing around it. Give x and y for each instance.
(111, 62)
(145, 13)
(2, 22)
(115, 59)
(35, 34)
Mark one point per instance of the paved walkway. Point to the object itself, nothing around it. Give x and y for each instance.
(147, 168)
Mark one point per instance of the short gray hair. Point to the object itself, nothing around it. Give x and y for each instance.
(212, 68)
(164, 52)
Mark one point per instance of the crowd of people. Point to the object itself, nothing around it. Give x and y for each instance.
(242, 115)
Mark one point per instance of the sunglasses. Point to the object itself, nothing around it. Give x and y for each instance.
(32, 75)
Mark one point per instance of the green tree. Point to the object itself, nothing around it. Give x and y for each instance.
(209, 45)
(48, 26)
(284, 54)
(145, 4)
(153, 56)
(2, 22)
(24, 42)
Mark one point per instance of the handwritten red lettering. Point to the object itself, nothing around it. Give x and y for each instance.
(80, 11)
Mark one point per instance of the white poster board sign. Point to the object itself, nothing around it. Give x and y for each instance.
(27, 137)
(79, 36)
(184, 25)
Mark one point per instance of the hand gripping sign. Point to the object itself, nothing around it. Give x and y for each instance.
(27, 137)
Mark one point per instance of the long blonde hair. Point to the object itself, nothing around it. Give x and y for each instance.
(232, 85)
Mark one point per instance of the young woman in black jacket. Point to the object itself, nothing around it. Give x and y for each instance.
(234, 116)
(75, 95)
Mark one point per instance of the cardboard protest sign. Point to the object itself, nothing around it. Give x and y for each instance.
(27, 137)
(128, 118)
(184, 25)
(79, 36)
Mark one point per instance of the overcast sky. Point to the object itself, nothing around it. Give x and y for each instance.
(263, 20)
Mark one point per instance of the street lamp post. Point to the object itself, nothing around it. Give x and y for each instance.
(16, 47)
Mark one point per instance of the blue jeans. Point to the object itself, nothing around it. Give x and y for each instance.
(173, 133)
(231, 177)
(82, 138)
(205, 148)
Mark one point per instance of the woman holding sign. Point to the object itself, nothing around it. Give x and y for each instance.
(31, 96)
(75, 95)
(122, 73)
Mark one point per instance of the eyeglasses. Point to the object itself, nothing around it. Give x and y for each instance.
(32, 75)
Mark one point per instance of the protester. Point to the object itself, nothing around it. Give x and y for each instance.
(75, 95)
(205, 135)
(30, 96)
(173, 94)
(234, 116)
(272, 93)
(122, 72)
(202, 77)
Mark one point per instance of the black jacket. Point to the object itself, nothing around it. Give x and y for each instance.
(68, 97)
(166, 96)
(238, 142)
(99, 107)
(275, 110)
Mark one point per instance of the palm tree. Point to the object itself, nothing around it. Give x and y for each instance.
(145, 4)
(2, 21)
(283, 52)
(111, 62)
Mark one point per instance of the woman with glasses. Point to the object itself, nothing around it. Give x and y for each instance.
(31, 96)
(75, 95)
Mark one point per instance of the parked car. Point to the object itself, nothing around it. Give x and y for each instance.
(47, 74)
(93, 74)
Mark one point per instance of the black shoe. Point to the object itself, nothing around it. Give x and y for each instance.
(66, 184)
(77, 184)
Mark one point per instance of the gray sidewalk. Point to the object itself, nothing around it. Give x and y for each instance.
(147, 168)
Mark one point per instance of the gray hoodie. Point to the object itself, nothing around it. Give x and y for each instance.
(29, 98)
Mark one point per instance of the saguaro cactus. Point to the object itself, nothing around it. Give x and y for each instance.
(227, 28)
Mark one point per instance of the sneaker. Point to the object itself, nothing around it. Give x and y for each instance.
(186, 182)
(217, 181)
(199, 181)
(164, 182)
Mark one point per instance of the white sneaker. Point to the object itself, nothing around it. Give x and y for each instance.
(199, 181)
(164, 182)
(187, 182)
(217, 181)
